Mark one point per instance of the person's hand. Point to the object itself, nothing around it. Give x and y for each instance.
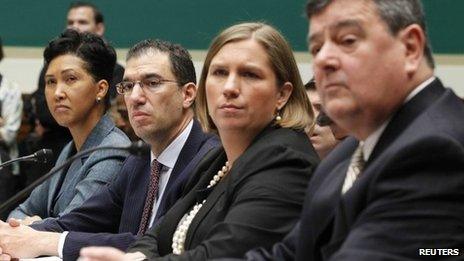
(21, 241)
(26, 221)
(4, 257)
(107, 254)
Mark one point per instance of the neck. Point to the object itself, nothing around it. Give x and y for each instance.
(81, 131)
(161, 140)
(235, 143)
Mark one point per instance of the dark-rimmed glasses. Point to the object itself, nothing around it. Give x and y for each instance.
(125, 87)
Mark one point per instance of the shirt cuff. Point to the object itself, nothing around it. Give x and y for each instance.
(61, 243)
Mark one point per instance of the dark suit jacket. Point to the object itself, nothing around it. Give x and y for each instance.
(409, 196)
(118, 208)
(257, 203)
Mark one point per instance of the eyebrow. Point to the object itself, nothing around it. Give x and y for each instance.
(145, 76)
(62, 72)
(337, 26)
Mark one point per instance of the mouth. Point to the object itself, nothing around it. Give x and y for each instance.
(230, 107)
(61, 107)
(139, 115)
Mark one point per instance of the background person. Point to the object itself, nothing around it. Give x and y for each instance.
(11, 106)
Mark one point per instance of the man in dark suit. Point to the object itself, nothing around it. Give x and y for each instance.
(395, 191)
(159, 90)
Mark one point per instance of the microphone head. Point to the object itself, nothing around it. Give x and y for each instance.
(43, 155)
(139, 148)
(323, 120)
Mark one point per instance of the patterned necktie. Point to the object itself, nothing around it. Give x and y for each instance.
(151, 195)
(355, 168)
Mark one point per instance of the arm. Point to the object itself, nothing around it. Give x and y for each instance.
(100, 213)
(96, 178)
(415, 202)
(283, 250)
(35, 204)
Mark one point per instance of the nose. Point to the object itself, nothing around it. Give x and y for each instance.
(59, 93)
(231, 87)
(137, 95)
(327, 59)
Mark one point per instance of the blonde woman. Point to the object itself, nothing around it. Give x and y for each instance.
(249, 192)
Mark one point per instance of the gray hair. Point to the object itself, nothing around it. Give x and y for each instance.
(397, 14)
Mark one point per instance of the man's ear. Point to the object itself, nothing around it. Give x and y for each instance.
(189, 92)
(413, 39)
(100, 29)
(103, 87)
(284, 94)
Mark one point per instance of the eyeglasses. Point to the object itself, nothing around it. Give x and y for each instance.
(151, 84)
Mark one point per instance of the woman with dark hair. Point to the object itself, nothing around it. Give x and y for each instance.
(250, 192)
(78, 69)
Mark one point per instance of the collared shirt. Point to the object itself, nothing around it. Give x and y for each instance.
(167, 158)
(373, 138)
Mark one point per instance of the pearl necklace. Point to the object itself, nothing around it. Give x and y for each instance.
(178, 239)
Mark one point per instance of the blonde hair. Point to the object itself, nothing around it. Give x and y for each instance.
(297, 113)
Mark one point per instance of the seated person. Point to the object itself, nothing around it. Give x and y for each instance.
(326, 134)
(78, 69)
(250, 191)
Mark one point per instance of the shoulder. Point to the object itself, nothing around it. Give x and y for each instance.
(280, 143)
(278, 153)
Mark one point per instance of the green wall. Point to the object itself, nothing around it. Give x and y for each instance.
(193, 23)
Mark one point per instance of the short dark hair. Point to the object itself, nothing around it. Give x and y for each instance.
(97, 15)
(98, 56)
(397, 14)
(310, 85)
(1, 50)
(180, 59)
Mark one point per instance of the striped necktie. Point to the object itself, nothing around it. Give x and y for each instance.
(355, 168)
(151, 196)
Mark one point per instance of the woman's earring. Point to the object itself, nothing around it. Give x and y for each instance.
(98, 99)
(278, 118)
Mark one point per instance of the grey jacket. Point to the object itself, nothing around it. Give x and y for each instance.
(83, 178)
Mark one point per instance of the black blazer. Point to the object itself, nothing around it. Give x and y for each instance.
(257, 203)
(409, 196)
(118, 208)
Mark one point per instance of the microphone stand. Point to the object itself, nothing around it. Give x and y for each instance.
(137, 147)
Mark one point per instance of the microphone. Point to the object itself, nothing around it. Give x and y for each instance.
(42, 156)
(323, 120)
(136, 148)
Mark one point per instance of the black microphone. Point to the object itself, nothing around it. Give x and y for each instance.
(136, 148)
(323, 120)
(42, 156)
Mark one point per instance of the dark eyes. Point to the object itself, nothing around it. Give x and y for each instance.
(155, 82)
(71, 79)
(50, 82)
(219, 72)
(245, 74)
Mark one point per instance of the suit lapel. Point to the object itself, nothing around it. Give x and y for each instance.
(140, 187)
(183, 205)
(188, 151)
(406, 115)
(212, 199)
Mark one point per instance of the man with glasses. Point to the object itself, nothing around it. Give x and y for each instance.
(159, 90)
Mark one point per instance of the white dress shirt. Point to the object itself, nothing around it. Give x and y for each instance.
(167, 158)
